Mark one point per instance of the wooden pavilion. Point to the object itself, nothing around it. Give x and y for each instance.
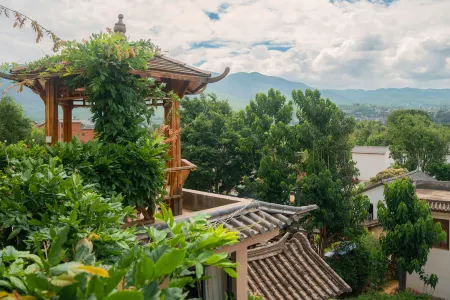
(177, 77)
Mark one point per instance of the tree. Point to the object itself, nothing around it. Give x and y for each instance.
(415, 140)
(210, 143)
(325, 133)
(370, 133)
(439, 170)
(409, 229)
(14, 126)
(269, 146)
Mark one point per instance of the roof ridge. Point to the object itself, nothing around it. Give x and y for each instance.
(268, 250)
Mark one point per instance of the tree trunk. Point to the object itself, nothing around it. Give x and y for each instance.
(401, 279)
(323, 240)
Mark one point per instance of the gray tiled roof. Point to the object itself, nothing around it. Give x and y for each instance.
(291, 269)
(416, 175)
(251, 218)
(370, 149)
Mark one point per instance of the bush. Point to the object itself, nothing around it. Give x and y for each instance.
(134, 170)
(406, 295)
(36, 197)
(441, 171)
(388, 173)
(364, 267)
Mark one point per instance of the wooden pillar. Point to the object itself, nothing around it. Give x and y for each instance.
(240, 288)
(172, 113)
(67, 121)
(51, 112)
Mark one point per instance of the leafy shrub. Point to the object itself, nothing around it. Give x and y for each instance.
(439, 170)
(364, 267)
(406, 295)
(178, 253)
(388, 173)
(136, 170)
(37, 196)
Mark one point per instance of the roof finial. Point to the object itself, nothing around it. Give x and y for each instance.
(120, 26)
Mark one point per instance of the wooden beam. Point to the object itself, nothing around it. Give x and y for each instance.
(51, 112)
(67, 122)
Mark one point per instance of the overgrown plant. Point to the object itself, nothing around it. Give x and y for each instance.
(176, 254)
(108, 68)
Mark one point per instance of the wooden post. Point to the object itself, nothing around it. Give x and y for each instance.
(51, 113)
(172, 111)
(67, 121)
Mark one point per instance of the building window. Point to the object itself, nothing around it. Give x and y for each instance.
(444, 225)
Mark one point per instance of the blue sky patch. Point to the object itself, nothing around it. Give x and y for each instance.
(215, 16)
(205, 44)
(277, 47)
(199, 63)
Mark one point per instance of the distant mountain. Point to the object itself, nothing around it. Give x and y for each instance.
(239, 88)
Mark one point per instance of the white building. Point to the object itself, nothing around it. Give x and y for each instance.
(375, 191)
(370, 160)
(437, 194)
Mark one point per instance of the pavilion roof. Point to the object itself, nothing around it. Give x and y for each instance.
(161, 67)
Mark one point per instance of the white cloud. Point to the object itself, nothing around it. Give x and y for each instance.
(336, 45)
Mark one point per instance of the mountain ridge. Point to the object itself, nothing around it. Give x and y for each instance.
(239, 88)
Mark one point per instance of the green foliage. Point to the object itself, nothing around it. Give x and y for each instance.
(415, 140)
(409, 229)
(173, 253)
(440, 170)
(38, 197)
(269, 145)
(406, 295)
(14, 126)
(325, 133)
(370, 133)
(388, 173)
(364, 267)
(133, 169)
(210, 143)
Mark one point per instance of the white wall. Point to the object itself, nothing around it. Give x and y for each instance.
(369, 165)
(439, 264)
(375, 195)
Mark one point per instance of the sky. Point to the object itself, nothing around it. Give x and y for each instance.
(327, 44)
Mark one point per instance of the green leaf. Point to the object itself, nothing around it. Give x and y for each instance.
(18, 283)
(5, 284)
(181, 282)
(158, 252)
(156, 235)
(113, 280)
(14, 233)
(198, 270)
(126, 295)
(169, 262)
(144, 270)
(37, 282)
(96, 287)
(173, 294)
(56, 253)
(151, 291)
(231, 272)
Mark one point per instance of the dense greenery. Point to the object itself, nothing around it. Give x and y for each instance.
(363, 266)
(370, 133)
(406, 295)
(440, 170)
(415, 141)
(127, 160)
(388, 173)
(14, 125)
(405, 219)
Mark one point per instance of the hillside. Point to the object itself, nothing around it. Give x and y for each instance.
(239, 88)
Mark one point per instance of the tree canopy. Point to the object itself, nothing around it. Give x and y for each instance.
(405, 220)
(14, 125)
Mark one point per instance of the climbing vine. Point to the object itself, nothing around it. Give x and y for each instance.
(105, 66)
